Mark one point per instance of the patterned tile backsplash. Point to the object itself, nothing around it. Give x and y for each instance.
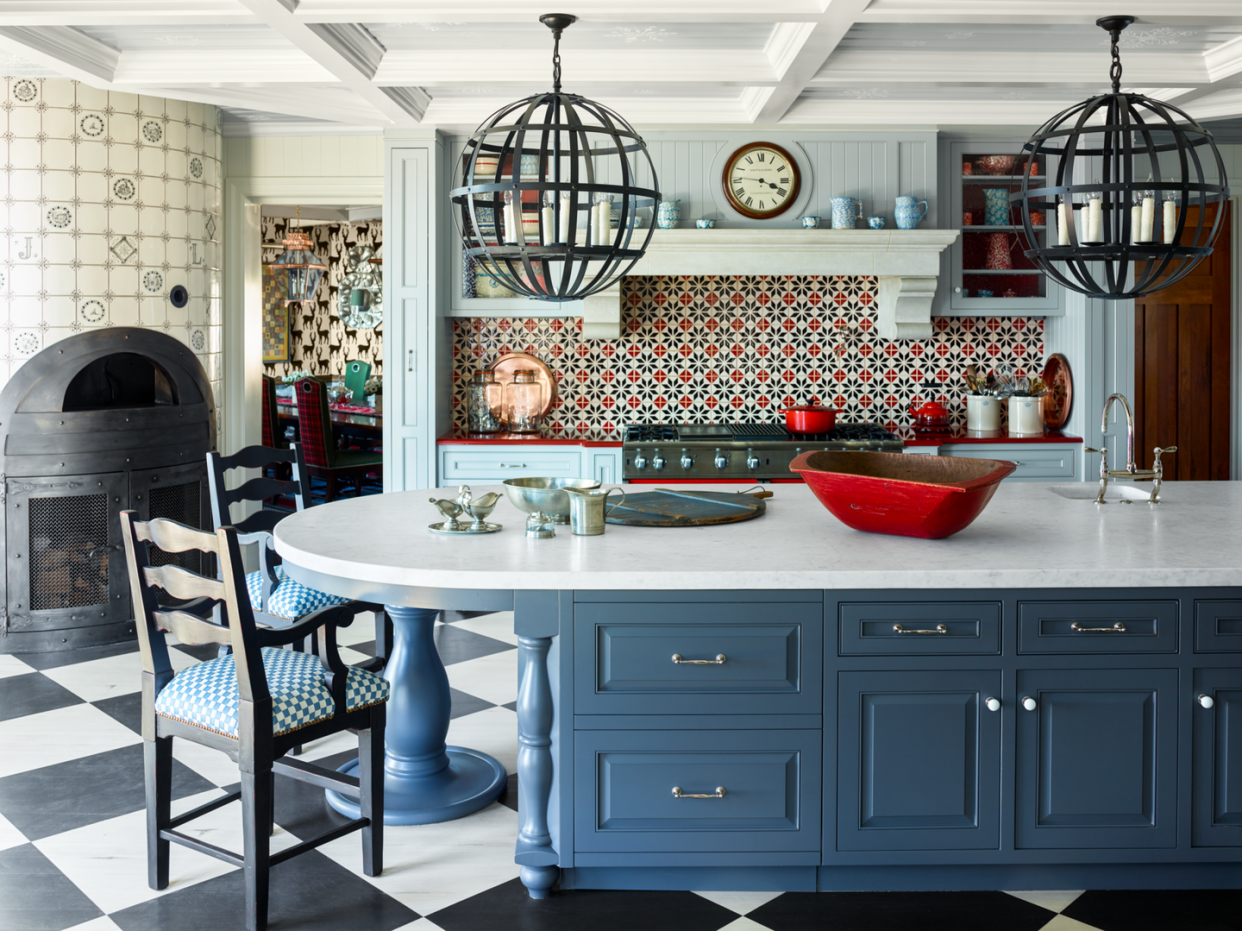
(732, 349)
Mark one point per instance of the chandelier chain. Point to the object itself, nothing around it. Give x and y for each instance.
(1115, 71)
(556, 60)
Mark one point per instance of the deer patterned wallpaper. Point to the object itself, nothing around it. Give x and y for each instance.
(319, 342)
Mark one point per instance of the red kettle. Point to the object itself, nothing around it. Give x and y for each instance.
(932, 417)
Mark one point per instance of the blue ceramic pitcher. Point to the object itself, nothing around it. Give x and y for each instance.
(907, 213)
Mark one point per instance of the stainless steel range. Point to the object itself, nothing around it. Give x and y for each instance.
(762, 451)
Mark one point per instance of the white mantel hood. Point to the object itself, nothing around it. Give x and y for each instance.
(907, 262)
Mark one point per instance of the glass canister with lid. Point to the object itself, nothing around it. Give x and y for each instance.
(485, 403)
(524, 402)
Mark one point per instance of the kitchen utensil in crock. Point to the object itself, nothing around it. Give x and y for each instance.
(809, 418)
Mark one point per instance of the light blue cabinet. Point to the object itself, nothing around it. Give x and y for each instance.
(1036, 462)
(486, 463)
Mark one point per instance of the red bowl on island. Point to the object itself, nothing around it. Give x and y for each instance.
(930, 497)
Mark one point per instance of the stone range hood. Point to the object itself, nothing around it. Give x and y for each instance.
(906, 262)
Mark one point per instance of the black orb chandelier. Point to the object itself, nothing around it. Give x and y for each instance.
(1145, 160)
(550, 189)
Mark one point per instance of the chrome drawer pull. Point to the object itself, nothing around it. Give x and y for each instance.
(938, 629)
(520, 465)
(1118, 628)
(718, 661)
(719, 793)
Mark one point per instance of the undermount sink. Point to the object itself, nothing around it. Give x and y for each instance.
(1117, 491)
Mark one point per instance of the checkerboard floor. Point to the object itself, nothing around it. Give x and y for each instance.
(72, 849)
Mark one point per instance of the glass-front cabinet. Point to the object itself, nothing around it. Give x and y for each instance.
(988, 272)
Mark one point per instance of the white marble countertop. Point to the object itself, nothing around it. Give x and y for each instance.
(1027, 537)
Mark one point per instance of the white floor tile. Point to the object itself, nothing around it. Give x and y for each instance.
(12, 666)
(103, 923)
(9, 835)
(1065, 923)
(362, 630)
(108, 860)
(493, 731)
(493, 677)
(352, 657)
(342, 742)
(498, 626)
(1053, 900)
(432, 866)
(114, 675)
(741, 902)
(744, 924)
(423, 924)
(213, 765)
(52, 737)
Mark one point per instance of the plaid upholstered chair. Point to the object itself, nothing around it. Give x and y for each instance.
(323, 459)
(271, 423)
(254, 705)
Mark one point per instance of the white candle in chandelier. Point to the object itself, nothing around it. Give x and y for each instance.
(1065, 216)
(1169, 225)
(564, 224)
(594, 225)
(509, 219)
(547, 233)
(1136, 221)
(1095, 218)
(1149, 216)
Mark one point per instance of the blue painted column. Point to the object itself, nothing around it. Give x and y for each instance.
(535, 854)
(424, 780)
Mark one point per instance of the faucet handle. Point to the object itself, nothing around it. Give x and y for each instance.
(1167, 449)
(1092, 449)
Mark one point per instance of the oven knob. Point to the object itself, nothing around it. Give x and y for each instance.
(687, 461)
(721, 460)
(640, 461)
(657, 461)
(752, 461)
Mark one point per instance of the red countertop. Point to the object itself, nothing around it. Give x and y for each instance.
(961, 435)
(567, 438)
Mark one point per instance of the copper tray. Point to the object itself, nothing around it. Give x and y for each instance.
(1060, 397)
(506, 365)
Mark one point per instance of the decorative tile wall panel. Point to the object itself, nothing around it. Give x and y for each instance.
(104, 215)
(719, 349)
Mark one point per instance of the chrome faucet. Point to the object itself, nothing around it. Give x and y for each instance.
(1131, 471)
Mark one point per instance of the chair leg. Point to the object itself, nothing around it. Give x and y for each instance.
(371, 792)
(256, 789)
(157, 757)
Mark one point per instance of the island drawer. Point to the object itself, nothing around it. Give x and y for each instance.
(916, 628)
(1097, 626)
(483, 463)
(698, 658)
(625, 801)
(1218, 626)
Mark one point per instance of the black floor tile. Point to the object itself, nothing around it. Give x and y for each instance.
(900, 911)
(307, 893)
(124, 708)
(301, 808)
(201, 652)
(57, 658)
(35, 896)
(464, 704)
(32, 693)
(509, 797)
(54, 799)
(457, 645)
(511, 705)
(367, 647)
(1155, 910)
(510, 908)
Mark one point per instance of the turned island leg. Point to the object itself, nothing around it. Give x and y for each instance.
(534, 763)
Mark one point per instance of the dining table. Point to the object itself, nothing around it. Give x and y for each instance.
(348, 423)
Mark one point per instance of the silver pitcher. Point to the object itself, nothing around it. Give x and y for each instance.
(586, 509)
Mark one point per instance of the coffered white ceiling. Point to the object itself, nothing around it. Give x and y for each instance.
(364, 65)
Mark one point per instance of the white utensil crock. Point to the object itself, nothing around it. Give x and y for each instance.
(982, 412)
(1026, 416)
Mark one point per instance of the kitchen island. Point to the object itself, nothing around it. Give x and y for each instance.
(1048, 699)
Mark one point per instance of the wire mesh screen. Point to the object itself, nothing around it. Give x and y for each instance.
(68, 551)
(179, 503)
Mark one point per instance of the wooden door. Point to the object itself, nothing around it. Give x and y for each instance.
(1182, 368)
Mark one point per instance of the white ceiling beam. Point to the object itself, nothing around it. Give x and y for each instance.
(454, 114)
(348, 52)
(1225, 104)
(123, 13)
(817, 110)
(532, 68)
(1224, 61)
(1053, 12)
(803, 53)
(330, 103)
(215, 66)
(607, 11)
(62, 49)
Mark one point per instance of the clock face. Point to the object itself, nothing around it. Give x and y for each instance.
(761, 180)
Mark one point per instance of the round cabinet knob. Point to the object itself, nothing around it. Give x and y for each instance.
(687, 461)
(752, 461)
(957, 290)
(1206, 701)
(640, 461)
(1029, 703)
(992, 704)
(657, 462)
(721, 460)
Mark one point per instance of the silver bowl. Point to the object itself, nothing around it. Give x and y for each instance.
(543, 500)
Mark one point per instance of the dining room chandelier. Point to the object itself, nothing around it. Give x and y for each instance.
(1131, 202)
(550, 189)
(302, 268)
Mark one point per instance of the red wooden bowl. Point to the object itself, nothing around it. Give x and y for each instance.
(931, 497)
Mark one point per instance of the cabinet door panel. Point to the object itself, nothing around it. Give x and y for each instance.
(1097, 758)
(1217, 781)
(919, 761)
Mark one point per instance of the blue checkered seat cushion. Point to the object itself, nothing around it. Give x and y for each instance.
(206, 695)
(289, 599)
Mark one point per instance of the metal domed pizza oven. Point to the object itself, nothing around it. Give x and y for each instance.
(97, 423)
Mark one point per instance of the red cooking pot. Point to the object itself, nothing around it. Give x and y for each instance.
(932, 417)
(809, 418)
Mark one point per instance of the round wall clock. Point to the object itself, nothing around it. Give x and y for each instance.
(761, 180)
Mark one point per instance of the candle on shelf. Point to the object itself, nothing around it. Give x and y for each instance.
(547, 224)
(564, 223)
(1095, 217)
(1136, 219)
(1169, 224)
(1149, 216)
(1065, 216)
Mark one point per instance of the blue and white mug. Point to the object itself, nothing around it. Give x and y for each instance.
(706, 223)
(810, 223)
(875, 223)
(907, 213)
(845, 212)
(668, 214)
